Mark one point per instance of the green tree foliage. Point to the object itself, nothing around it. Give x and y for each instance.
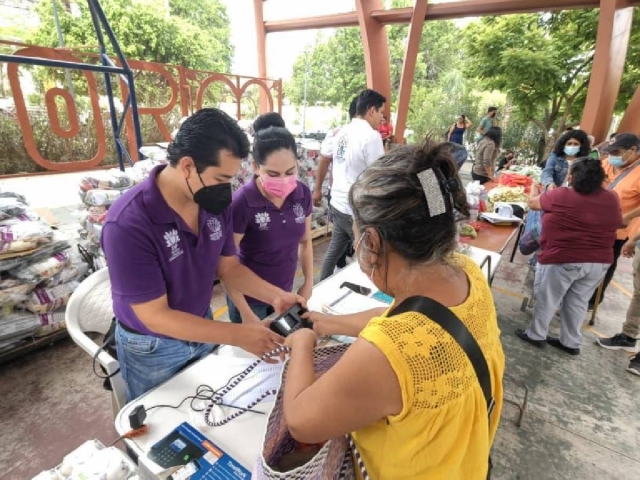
(542, 62)
(334, 68)
(196, 35)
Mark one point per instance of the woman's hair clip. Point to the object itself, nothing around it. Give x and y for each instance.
(450, 185)
(432, 192)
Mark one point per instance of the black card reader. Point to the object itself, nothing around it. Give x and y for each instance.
(290, 321)
(175, 450)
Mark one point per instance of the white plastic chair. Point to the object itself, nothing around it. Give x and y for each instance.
(90, 309)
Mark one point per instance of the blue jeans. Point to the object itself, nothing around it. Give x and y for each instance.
(341, 238)
(261, 311)
(147, 361)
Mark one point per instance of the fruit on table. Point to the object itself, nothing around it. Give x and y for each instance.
(467, 230)
(507, 195)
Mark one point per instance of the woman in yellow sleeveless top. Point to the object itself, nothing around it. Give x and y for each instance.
(405, 389)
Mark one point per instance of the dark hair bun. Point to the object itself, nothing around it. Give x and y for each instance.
(268, 120)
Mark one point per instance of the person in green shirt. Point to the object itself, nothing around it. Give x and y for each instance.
(486, 123)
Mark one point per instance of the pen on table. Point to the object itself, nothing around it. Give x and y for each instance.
(335, 302)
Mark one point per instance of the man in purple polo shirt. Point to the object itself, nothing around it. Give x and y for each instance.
(165, 241)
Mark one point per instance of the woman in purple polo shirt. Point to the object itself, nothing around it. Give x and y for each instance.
(272, 219)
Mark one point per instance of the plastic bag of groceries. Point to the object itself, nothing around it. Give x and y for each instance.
(11, 207)
(75, 271)
(36, 272)
(18, 325)
(20, 236)
(153, 152)
(97, 214)
(530, 240)
(50, 323)
(56, 245)
(15, 195)
(112, 179)
(13, 291)
(100, 197)
(142, 168)
(44, 300)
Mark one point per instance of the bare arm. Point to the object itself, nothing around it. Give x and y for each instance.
(321, 174)
(238, 298)
(450, 132)
(350, 325)
(235, 276)
(359, 390)
(160, 318)
(629, 248)
(626, 219)
(534, 198)
(305, 257)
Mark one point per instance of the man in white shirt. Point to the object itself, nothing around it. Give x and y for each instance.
(326, 155)
(355, 147)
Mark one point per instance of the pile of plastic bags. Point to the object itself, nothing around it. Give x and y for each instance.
(92, 461)
(38, 273)
(309, 155)
(99, 190)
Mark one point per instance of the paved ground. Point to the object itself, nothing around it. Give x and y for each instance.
(582, 420)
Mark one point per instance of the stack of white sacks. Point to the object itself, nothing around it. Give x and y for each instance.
(38, 274)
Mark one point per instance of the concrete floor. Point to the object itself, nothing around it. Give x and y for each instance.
(582, 421)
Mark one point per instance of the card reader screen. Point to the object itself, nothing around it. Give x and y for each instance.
(287, 322)
(178, 445)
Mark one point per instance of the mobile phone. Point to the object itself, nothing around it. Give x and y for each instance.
(290, 321)
(356, 288)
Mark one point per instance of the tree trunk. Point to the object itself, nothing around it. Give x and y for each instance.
(542, 149)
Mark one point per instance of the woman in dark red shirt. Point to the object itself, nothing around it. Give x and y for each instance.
(579, 226)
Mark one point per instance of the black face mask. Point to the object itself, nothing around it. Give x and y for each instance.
(213, 198)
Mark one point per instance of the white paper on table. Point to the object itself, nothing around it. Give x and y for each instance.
(495, 218)
(354, 303)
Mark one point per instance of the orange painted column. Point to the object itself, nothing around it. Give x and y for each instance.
(631, 120)
(614, 30)
(261, 40)
(409, 67)
(376, 49)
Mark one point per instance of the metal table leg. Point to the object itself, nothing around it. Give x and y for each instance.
(515, 246)
(487, 260)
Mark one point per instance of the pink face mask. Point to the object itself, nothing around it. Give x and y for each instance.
(279, 187)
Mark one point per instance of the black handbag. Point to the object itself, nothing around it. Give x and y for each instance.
(449, 322)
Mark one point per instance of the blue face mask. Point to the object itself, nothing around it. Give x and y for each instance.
(616, 162)
(571, 150)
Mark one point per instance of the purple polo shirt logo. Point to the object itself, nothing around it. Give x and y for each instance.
(172, 239)
(298, 210)
(216, 229)
(262, 220)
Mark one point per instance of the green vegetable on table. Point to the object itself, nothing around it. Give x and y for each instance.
(467, 230)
